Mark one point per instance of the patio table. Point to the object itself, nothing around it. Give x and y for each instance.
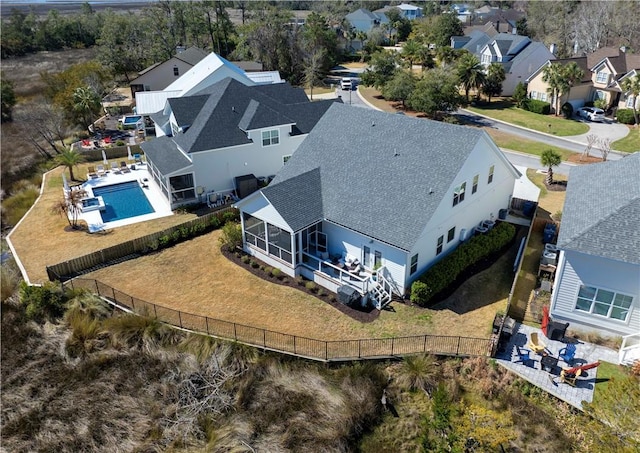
(549, 363)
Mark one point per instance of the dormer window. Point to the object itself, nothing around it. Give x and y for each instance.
(602, 77)
(271, 137)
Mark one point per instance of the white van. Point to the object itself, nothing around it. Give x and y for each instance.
(345, 84)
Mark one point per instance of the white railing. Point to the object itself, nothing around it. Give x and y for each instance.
(629, 349)
(336, 273)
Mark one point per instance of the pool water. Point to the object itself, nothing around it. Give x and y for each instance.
(129, 120)
(123, 201)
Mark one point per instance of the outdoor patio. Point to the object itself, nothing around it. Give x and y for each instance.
(549, 381)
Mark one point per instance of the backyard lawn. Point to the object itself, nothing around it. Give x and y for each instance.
(195, 277)
(508, 112)
(43, 237)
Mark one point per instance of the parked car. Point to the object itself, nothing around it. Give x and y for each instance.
(346, 84)
(591, 113)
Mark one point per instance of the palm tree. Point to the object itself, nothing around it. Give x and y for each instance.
(550, 159)
(631, 85)
(552, 75)
(493, 82)
(69, 158)
(470, 72)
(411, 52)
(70, 206)
(86, 102)
(571, 73)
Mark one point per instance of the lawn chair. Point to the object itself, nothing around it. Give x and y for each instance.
(568, 353)
(137, 158)
(91, 172)
(535, 344)
(101, 170)
(107, 140)
(86, 142)
(569, 375)
(115, 168)
(124, 168)
(524, 356)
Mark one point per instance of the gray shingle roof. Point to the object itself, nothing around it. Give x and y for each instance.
(185, 109)
(217, 124)
(164, 155)
(298, 197)
(193, 55)
(258, 116)
(375, 177)
(601, 214)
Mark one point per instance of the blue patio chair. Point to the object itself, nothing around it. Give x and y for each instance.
(524, 356)
(568, 353)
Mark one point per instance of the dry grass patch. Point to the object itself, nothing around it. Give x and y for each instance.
(195, 277)
(44, 238)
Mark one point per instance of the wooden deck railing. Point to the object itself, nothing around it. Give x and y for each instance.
(320, 350)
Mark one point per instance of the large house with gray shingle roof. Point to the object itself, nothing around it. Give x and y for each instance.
(225, 131)
(597, 284)
(388, 193)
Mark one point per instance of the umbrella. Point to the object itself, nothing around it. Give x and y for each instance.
(545, 320)
(129, 156)
(104, 157)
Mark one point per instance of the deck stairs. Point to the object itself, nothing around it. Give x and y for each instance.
(382, 288)
(629, 349)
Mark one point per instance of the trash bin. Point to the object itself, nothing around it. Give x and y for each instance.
(502, 214)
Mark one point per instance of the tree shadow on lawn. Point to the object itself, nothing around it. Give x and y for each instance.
(483, 284)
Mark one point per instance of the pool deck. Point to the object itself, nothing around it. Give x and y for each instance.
(152, 191)
(549, 381)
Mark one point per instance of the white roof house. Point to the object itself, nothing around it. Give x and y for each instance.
(208, 71)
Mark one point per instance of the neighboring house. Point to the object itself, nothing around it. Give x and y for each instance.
(606, 76)
(388, 193)
(504, 20)
(364, 20)
(226, 131)
(597, 283)
(518, 55)
(410, 12)
(208, 71)
(603, 70)
(160, 75)
(581, 90)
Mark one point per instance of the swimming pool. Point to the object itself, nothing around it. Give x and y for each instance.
(123, 201)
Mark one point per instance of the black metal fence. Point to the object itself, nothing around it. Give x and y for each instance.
(321, 350)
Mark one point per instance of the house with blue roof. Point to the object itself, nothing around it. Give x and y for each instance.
(372, 205)
(597, 282)
(225, 131)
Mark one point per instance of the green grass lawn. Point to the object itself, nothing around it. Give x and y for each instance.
(515, 143)
(629, 144)
(606, 372)
(508, 112)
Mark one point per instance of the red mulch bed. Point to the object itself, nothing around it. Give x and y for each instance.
(364, 315)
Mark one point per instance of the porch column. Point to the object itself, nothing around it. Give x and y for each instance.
(244, 238)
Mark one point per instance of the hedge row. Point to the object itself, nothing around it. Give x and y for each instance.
(535, 106)
(625, 116)
(446, 271)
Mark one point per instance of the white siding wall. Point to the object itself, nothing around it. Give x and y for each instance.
(162, 75)
(341, 239)
(217, 169)
(576, 269)
(475, 208)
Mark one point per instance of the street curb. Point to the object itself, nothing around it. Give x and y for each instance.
(621, 153)
(364, 100)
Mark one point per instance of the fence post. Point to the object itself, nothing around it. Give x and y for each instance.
(155, 312)
(458, 348)
(97, 288)
(294, 344)
(180, 318)
(424, 347)
(113, 290)
(359, 349)
(326, 350)
(235, 333)
(264, 338)
(392, 341)
(206, 321)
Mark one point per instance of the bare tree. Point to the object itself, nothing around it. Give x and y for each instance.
(605, 148)
(43, 124)
(591, 25)
(70, 206)
(592, 140)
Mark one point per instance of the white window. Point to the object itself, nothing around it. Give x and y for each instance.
(602, 302)
(543, 97)
(486, 59)
(439, 246)
(414, 264)
(458, 193)
(630, 100)
(490, 179)
(474, 188)
(451, 234)
(285, 158)
(270, 137)
(602, 77)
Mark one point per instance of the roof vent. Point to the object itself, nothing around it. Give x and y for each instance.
(372, 124)
(395, 153)
(430, 190)
(233, 109)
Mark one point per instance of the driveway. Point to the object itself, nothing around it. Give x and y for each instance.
(607, 129)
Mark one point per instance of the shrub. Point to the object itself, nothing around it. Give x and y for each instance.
(300, 280)
(231, 216)
(445, 272)
(120, 143)
(625, 116)
(321, 292)
(42, 303)
(535, 106)
(214, 221)
(254, 264)
(311, 286)
(567, 110)
(231, 235)
(15, 206)
(246, 259)
(277, 273)
(9, 281)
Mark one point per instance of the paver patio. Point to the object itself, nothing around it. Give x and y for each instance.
(550, 382)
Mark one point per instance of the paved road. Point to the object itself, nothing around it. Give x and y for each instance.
(530, 161)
